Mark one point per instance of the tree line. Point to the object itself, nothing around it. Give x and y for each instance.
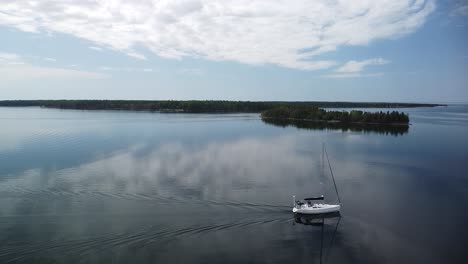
(198, 106)
(313, 113)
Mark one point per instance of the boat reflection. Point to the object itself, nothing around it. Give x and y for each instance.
(383, 129)
(317, 219)
(320, 220)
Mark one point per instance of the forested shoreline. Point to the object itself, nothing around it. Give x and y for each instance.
(198, 106)
(311, 113)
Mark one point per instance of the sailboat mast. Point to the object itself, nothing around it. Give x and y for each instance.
(333, 177)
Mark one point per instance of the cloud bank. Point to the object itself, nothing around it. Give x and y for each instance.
(14, 68)
(460, 10)
(285, 33)
(358, 66)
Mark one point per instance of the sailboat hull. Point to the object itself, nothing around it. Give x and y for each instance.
(317, 209)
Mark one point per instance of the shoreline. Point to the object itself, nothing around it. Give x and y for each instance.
(201, 106)
(336, 121)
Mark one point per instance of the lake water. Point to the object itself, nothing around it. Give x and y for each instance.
(126, 187)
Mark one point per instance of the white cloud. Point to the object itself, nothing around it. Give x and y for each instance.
(50, 59)
(191, 71)
(128, 53)
(23, 71)
(26, 71)
(136, 55)
(127, 69)
(460, 10)
(283, 32)
(8, 57)
(358, 66)
(351, 75)
(95, 48)
(105, 68)
(13, 68)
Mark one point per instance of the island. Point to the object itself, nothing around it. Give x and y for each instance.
(299, 114)
(199, 106)
(312, 113)
(312, 118)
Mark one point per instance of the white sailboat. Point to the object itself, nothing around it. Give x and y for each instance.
(308, 206)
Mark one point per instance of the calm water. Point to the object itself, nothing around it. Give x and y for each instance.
(123, 187)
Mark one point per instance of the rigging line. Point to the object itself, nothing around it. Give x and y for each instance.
(333, 177)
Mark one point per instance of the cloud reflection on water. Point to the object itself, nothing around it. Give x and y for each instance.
(223, 170)
(145, 200)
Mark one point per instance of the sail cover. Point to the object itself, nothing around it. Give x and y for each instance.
(314, 198)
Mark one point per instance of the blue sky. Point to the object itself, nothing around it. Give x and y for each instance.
(398, 50)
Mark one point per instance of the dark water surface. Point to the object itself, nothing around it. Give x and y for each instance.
(124, 187)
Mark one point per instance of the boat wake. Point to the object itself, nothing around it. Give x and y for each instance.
(23, 251)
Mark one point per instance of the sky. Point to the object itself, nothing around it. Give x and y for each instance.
(260, 50)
